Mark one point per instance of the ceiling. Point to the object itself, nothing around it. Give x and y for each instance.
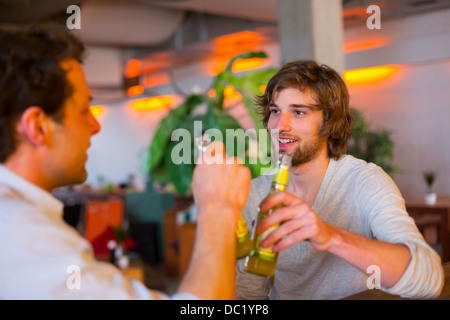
(189, 38)
(26, 11)
(212, 17)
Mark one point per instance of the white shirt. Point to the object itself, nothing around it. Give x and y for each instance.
(360, 198)
(42, 257)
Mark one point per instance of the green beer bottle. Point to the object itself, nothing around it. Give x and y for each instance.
(262, 261)
(244, 243)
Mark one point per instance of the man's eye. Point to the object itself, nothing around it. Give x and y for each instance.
(273, 111)
(298, 112)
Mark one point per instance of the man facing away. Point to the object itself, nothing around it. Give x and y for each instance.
(343, 218)
(45, 131)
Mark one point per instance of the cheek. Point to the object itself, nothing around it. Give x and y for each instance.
(271, 123)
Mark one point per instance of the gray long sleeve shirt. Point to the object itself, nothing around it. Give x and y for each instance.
(360, 198)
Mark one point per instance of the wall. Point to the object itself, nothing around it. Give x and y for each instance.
(119, 148)
(413, 104)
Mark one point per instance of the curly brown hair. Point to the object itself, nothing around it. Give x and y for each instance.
(30, 75)
(330, 93)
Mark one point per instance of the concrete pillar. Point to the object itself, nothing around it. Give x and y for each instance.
(311, 29)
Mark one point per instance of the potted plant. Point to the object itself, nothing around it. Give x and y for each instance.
(159, 164)
(374, 146)
(430, 196)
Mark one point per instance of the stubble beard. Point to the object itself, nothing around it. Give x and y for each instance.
(307, 152)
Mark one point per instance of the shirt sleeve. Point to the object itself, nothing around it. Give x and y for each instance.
(384, 210)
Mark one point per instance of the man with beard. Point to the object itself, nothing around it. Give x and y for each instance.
(45, 131)
(342, 217)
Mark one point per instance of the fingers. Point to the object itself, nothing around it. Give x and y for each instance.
(215, 154)
(220, 179)
(292, 206)
(281, 197)
(290, 233)
(291, 219)
(297, 221)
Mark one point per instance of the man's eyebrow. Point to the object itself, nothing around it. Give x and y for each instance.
(295, 106)
(298, 106)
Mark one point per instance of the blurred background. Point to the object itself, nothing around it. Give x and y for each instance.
(145, 57)
(179, 45)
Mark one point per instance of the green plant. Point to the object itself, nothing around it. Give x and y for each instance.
(429, 177)
(371, 145)
(159, 165)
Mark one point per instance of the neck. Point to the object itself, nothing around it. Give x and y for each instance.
(29, 168)
(305, 179)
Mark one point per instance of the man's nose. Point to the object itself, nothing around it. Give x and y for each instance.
(284, 123)
(95, 125)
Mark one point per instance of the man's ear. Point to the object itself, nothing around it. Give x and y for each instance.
(34, 125)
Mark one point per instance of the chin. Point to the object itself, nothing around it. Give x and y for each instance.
(80, 178)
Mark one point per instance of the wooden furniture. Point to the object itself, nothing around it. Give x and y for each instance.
(376, 294)
(179, 240)
(171, 246)
(438, 214)
(187, 238)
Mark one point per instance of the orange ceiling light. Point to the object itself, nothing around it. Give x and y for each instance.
(247, 64)
(152, 103)
(133, 68)
(365, 45)
(230, 45)
(96, 110)
(238, 40)
(135, 90)
(369, 75)
(238, 66)
(156, 80)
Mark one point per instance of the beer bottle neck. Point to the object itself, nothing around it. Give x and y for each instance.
(276, 187)
(280, 179)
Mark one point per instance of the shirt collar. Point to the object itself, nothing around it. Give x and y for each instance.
(31, 192)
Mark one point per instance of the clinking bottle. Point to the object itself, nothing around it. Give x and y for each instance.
(262, 261)
(244, 243)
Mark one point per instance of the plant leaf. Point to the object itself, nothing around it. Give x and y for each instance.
(180, 174)
(167, 125)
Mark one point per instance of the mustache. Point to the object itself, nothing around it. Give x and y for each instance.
(275, 134)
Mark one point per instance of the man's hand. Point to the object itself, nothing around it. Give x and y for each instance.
(220, 181)
(220, 186)
(298, 223)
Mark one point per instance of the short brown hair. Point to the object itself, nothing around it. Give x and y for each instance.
(329, 91)
(30, 75)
